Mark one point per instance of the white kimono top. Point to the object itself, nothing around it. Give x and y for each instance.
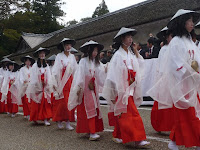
(117, 84)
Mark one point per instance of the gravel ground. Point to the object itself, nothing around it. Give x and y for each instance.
(19, 134)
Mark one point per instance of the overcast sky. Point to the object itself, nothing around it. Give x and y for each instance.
(77, 9)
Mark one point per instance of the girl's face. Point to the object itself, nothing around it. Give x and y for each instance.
(95, 52)
(189, 25)
(68, 47)
(127, 40)
(42, 55)
(52, 63)
(11, 67)
(27, 62)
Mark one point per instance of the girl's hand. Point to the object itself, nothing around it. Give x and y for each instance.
(79, 91)
(113, 101)
(135, 50)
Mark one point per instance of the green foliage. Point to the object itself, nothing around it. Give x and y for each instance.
(85, 19)
(100, 10)
(31, 16)
(9, 6)
(48, 11)
(9, 41)
(72, 22)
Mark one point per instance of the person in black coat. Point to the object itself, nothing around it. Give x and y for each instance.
(141, 50)
(153, 50)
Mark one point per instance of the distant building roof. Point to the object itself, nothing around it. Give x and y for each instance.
(34, 40)
(133, 16)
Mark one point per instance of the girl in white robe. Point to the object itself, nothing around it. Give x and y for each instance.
(63, 72)
(24, 79)
(10, 98)
(40, 88)
(2, 77)
(84, 93)
(122, 90)
(181, 77)
(161, 119)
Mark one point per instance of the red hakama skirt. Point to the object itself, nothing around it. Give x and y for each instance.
(162, 119)
(26, 105)
(186, 129)
(11, 107)
(40, 111)
(129, 126)
(60, 107)
(85, 125)
(2, 105)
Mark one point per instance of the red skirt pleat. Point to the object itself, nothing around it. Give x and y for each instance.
(85, 125)
(162, 119)
(186, 129)
(40, 111)
(11, 107)
(2, 105)
(25, 105)
(52, 101)
(129, 126)
(60, 107)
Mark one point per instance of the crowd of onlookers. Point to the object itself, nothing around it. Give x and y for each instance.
(147, 51)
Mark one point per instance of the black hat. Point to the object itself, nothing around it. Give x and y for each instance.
(12, 63)
(52, 58)
(161, 35)
(60, 46)
(73, 50)
(197, 25)
(182, 12)
(5, 60)
(85, 47)
(124, 31)
(36, 53)
(23, 59)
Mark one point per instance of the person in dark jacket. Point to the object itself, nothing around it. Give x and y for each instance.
(153, 50)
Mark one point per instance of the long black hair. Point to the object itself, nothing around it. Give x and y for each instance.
(178, 27)
(15, 69)
(50, 62)
(4, 65)
(89, 53)
(167, 34)
(44, 64)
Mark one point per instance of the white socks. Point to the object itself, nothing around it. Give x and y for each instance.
(94, 136)
(172, 145)
(60, 126)
(68, 126)
(142, 143)
(117, 140)
(46, 122)
(75, 116)
(13, 115)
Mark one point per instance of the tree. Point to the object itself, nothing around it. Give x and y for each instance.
(85, 19)
(33, 16)
(72, 22)
(48, 11)
(9, 36)
(100, 10)
(7, 7)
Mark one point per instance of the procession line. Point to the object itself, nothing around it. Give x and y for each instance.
(110, 130)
